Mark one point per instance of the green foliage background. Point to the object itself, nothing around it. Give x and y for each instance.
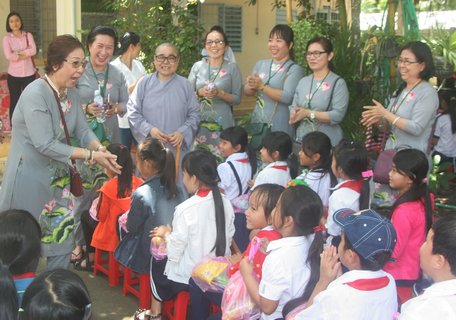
(157, 22)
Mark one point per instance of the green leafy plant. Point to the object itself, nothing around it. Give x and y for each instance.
(159, 21)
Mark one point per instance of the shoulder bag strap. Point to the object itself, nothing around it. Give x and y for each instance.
(32, 58)
(238, 180)
(332, 93)
(283, 84)
(62, 117)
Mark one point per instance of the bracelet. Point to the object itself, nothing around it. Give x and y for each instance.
(99, 147)
(395, 120)
(92, 153)
(86, 155)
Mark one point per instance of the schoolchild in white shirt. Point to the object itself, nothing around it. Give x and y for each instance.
(350, 165)
(281, 163)
(438, 261)
(291, 267)
(235, 172)
(365, 291)
(202, 225)
(315, 156)
(240, 163)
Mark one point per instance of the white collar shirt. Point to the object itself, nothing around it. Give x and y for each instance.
(356, 295)
(285, 271)
(194, 233)
(276, 172)
(320, 182)
(228, 182)
(437, 302)
(339, 199)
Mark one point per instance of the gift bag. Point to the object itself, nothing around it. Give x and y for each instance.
(383, 166)
(236, 301)
(211, 273)
(158, 248)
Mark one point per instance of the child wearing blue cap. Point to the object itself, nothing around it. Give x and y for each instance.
(438, 261)
(365, 291)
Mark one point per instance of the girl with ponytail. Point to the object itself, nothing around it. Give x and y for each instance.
(202, 225)
(152, 204)
(292, 265)
(412, 216)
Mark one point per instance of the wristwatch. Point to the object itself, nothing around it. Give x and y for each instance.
(312, 116)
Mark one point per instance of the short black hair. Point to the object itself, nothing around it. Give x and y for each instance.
(444, 241)
(13, 13)
(423, 54)
(104, 30)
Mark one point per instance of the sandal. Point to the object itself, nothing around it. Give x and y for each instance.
(142, 314)
(78, 265)
(76, 256)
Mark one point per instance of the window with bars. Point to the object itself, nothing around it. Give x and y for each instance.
(228, 17)
(281, 15)
(39, 19)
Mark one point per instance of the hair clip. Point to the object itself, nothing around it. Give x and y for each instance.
(319, 228)
(87, 312)
(297, 182)
(367, 174)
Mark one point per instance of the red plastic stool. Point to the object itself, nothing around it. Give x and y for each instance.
(139, 286)
(176, 309)
(109, 266)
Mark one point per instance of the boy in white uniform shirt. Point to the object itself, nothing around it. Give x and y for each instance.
(437, 260)
(365, 291)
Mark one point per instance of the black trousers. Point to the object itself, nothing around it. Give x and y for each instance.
(15, 86)
(88, 227)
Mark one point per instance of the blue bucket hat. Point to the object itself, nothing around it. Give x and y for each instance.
(367, 231)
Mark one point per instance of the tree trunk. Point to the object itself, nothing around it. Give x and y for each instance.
(342, 14)
(355, 22)
(289, 9)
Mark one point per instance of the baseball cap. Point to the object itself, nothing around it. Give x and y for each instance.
(367, 231)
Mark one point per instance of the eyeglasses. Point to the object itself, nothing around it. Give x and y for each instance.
(77, 63)
(217, 43)
(162, 58)
(315, 54)
(405, 62)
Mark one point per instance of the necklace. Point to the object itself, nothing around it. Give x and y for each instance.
(275, 72)
(209, 72)
(396, 105)
(62, 95)
(311, 95)
(105, 81)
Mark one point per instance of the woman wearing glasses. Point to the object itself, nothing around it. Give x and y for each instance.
(273, 81)
(412, 108)
(218, 84)
(111, 86)
(163, 104)
(37, 176)
(321, 99)
(133, 70)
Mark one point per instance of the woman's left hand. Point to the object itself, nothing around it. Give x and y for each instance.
(161, 231)
(175, 138)
(298, 114)
(373, 114)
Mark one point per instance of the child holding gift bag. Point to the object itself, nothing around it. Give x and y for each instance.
(292, 265)
(258, 215)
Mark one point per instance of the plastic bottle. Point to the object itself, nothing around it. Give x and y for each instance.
(98, 100)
